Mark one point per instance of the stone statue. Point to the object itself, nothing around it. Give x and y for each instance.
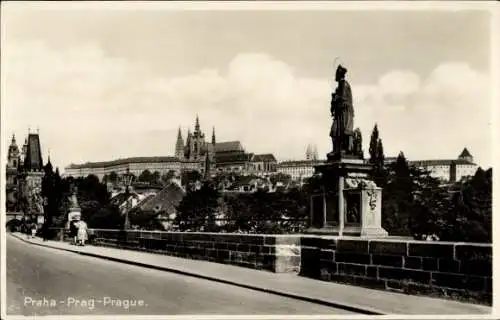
(74, 200)
(342, 111)
(358, 143)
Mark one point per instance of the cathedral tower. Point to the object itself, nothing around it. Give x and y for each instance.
(197, 142)
(179, 145)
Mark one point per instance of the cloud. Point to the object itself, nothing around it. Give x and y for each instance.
(90, 106)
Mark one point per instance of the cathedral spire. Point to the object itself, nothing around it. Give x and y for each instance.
(213, 135)
(179, 145)
(197, 125)
(13, 141)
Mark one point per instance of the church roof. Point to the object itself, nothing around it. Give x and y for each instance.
(228, 146)
(222, 158)
(268, 157)
(166, 200)
(123, 161)
(465, 153)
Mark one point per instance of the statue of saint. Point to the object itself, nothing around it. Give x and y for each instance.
(357, 143)
(74, 200)
(342, 111)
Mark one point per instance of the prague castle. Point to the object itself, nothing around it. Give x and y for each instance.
(446, 170)
(195, 153)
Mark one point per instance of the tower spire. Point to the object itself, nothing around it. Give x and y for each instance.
(213, 135)
(197, 125)
(308, 152)
(179, 145)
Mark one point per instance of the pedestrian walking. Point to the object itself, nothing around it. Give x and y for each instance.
(45, 231)
(82, 232)
(33, 230)
(73, 229)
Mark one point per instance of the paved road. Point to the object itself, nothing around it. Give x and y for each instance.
(43, 281)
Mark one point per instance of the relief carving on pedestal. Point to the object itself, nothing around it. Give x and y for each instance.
(371, 191)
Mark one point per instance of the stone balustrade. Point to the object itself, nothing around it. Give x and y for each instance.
(460, 271)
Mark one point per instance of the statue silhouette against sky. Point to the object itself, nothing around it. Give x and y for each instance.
(342, 111)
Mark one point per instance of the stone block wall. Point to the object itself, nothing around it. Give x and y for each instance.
(459, 271)
(276, 253)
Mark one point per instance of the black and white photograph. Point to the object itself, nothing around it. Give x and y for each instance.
(263, 160)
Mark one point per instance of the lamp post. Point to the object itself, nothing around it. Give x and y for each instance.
(127, 180)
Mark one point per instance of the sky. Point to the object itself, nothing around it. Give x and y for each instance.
(103, 82)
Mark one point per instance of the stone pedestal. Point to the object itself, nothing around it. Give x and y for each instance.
(75, 211)
(74, 214)
(371, 213)
(349, 204)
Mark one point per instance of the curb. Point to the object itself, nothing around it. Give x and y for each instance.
(352, 308)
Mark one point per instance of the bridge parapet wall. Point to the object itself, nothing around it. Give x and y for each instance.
(459, 271)
(276, 253)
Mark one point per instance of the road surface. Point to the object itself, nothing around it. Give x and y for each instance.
(44, 281)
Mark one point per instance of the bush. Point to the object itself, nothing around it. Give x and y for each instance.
(108, 217)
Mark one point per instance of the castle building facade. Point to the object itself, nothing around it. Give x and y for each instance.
(194, 153)
(446, 170)
(299, 169)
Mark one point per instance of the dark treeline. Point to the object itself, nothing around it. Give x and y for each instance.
(413, 203)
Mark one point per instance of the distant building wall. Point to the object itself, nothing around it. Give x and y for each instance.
(447, 170)
(298, 169)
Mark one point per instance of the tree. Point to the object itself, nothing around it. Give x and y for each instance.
(198, 209)
(470, 210)
(107, 217)
(92, 195)
(156, 177)
(189, 177)
(50, 198)
(397, 197)
(113, 177)
(146, 176)
(59, 192)
(430, 206)
(165, 178)
(377, 158)
(373, 150)
(280, 177)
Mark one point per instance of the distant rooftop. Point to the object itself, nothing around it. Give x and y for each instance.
(33, 160)
(228, 146)
(123, 161)
(465, 154)
(461, 160)
(301, 162)
(267, 157)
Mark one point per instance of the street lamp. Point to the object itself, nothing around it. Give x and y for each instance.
(127, 180)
